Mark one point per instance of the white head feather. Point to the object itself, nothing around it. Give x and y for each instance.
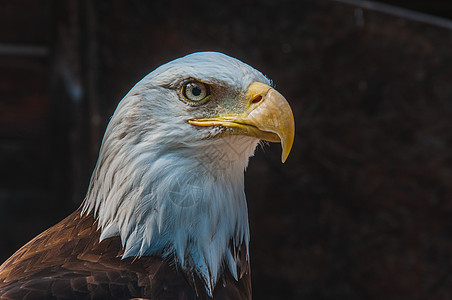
(163, 185)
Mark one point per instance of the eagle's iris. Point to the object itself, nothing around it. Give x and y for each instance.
(195, 91)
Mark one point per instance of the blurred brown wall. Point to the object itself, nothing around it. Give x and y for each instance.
(362, 209)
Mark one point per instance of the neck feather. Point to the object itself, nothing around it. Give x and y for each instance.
(175, 203)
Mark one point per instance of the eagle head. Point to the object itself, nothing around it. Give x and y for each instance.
(169, 179)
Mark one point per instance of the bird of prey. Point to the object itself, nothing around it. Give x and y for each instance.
(165, 214)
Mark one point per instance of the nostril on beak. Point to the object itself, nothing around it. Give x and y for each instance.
(257, 99)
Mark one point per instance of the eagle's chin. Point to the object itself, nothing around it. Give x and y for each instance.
(228, 155)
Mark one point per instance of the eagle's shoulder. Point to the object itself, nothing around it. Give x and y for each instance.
(68, 262)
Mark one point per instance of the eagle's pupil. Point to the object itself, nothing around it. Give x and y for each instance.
(196, 91)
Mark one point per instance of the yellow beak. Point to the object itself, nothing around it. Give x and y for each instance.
(267, 116)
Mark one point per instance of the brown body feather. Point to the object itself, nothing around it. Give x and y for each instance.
(68, 262)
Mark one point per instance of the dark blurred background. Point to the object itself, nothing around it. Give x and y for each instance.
(362, 209)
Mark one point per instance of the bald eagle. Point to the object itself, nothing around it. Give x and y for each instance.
(165, 214)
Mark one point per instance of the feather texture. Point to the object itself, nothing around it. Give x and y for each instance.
(67, 262)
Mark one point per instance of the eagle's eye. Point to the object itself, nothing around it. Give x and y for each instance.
(195, 91)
